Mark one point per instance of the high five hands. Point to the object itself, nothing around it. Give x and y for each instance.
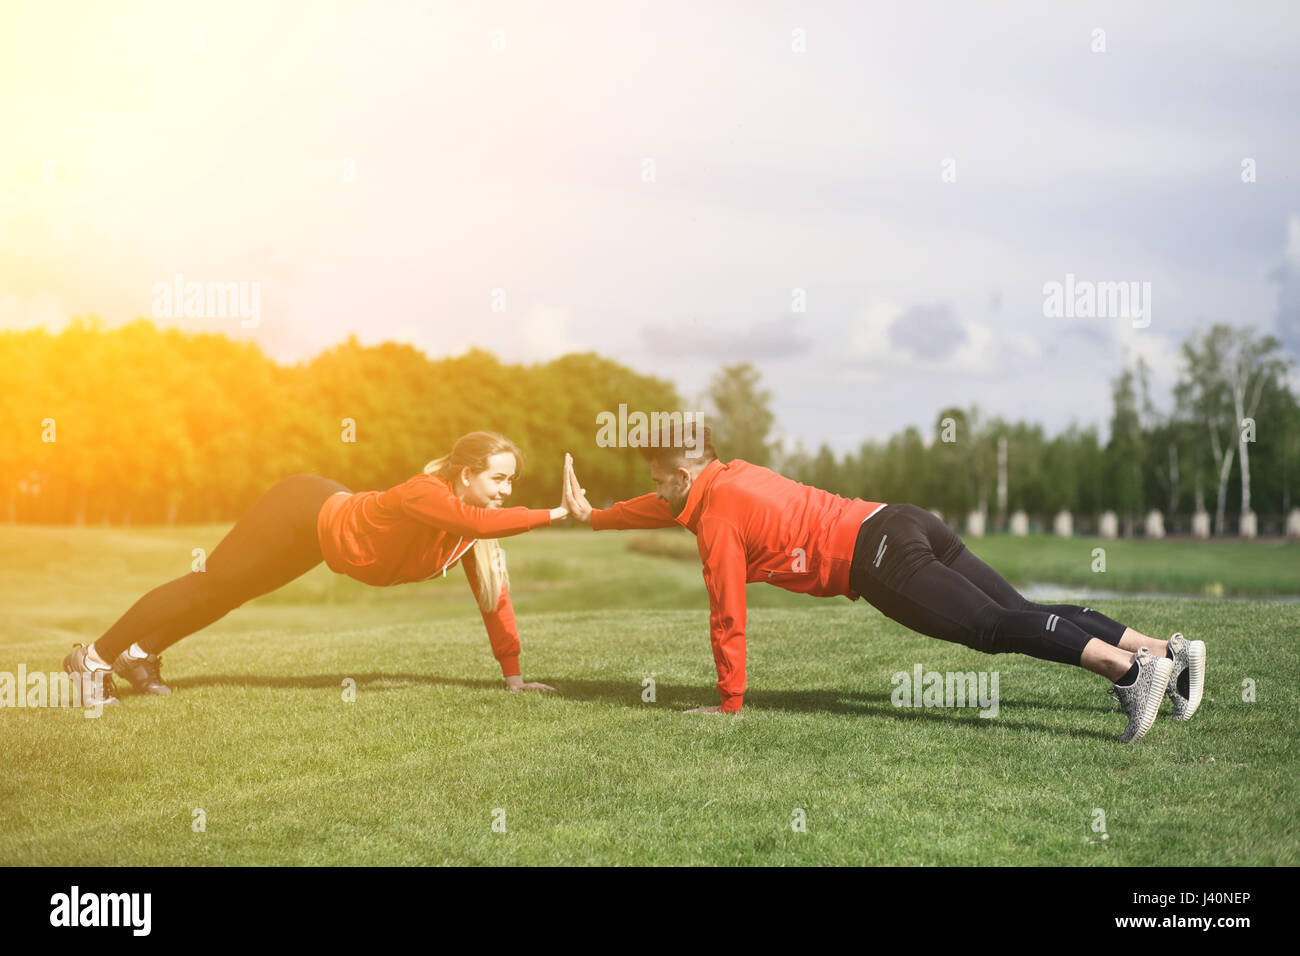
(575, 496)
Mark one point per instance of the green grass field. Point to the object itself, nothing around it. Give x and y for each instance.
(259, 738)
(1216, 568)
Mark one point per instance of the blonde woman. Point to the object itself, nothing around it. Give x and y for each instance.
(451, 514)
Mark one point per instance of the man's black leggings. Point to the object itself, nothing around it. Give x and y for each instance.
(915, 569)
(273, 543)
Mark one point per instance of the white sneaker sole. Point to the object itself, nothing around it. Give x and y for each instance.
(1164, 668)
(1195, 678)
(88, 688)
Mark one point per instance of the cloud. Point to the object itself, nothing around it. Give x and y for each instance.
(1098, 335)
(1287, 277)
(769, 339)
(933, 339)
(928, 331)
(543, 333)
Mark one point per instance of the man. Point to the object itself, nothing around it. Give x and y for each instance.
(752, 524)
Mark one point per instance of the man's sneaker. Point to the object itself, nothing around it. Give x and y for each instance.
(1141, 699)
(142, 673)
(95, 684)
(1187, 682)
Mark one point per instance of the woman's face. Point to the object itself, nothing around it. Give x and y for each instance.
(490, 487)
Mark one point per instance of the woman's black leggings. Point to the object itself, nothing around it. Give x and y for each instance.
(915, 569)
(273, 543)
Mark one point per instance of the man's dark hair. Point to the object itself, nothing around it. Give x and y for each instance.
(677, 444)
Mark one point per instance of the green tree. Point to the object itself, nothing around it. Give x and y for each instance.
(951, 454)
(1126, 451)
(742, 416)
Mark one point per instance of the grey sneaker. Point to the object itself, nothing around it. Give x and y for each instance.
(142, 673)
(1187, 682)
(95, 684)
(1141, 699)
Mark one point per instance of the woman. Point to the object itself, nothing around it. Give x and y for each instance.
(417, 530)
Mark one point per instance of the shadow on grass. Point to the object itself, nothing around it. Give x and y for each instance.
(679, 697)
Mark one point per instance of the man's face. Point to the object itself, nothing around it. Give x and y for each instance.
(672, 485)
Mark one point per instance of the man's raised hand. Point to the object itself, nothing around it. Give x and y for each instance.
(575, 496)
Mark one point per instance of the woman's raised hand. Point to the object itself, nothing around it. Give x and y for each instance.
(575, 496)
(563, 511)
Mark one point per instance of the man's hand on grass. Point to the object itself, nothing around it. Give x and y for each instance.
(515, 683)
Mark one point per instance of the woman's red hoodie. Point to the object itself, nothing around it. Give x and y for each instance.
(416, 531)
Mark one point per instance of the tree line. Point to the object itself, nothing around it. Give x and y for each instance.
(1228, 444)
(148, 425)
(141, 424)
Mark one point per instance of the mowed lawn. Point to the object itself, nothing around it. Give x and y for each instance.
(432, 751)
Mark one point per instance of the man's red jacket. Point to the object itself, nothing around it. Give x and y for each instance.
(752, 524)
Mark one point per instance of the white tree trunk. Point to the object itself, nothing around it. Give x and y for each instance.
(1238, 401)
(1224, 471)
(1173, 481)
(1002, 482)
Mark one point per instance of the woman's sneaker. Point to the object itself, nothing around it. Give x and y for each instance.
(143, 673)
(1187, 682)
(95, 683)
(1141, 699)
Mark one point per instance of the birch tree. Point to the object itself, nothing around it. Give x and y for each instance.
(1203, 393)
(1250, 365)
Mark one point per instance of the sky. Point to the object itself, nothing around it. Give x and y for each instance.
(865, 201)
